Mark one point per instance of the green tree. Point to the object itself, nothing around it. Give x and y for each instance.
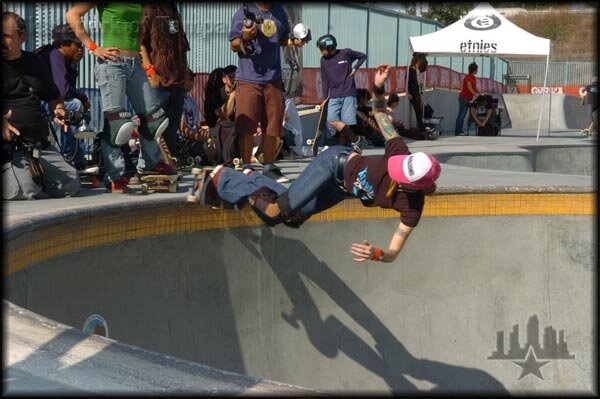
(447, 13)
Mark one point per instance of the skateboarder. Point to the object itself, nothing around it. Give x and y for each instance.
(398, 180)
(337, 77)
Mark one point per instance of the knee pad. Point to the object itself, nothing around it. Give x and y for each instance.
(153, 124)
(264, 203)
(117, 127)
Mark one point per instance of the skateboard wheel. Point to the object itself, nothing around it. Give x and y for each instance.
(196, 171)
(237, 161)
(318, 108)
(309, 142)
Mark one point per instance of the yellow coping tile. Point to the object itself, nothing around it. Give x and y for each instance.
(109, 228)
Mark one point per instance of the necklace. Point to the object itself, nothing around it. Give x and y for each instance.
(268, 27)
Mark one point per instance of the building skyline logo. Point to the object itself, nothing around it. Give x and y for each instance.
(553, 347)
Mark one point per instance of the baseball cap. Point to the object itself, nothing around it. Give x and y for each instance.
(64, 33)
(418, 170)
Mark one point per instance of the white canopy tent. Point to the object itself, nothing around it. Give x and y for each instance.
(484, 32)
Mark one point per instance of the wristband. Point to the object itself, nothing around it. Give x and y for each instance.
(92, 47)
(380, 91)
(377, 255)
(150, 71)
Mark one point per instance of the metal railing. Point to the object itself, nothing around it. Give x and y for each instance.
(559, 73)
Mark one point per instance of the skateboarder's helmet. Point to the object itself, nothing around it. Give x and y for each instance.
(327, 41)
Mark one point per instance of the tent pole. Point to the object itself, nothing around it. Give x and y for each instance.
(549, 92)
(537, 137)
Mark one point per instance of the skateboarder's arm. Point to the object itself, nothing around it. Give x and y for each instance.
(365, 251)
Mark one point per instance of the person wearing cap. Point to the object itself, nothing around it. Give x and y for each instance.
(397, 180)
(590, 101)
(62, 58)
(32, 168)
(260, 93)
(338, 67)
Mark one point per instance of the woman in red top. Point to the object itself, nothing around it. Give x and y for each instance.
(469, 89)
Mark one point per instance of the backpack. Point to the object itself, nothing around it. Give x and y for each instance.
(224, 144)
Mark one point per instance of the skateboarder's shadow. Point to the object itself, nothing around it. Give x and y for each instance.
(291, 259)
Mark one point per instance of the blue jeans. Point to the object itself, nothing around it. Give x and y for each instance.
(171, 100)
(315, 190)
(341, 109)
(118, 81)
(463, 107)
(72, 149)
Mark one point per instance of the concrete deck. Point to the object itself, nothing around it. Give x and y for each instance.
(298, 310)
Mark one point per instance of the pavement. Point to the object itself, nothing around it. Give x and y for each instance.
(231, 311)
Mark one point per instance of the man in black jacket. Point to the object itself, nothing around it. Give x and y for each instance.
(31, 168)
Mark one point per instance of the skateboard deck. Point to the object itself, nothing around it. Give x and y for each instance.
(386, 128)
(321, 126)
(152, 183)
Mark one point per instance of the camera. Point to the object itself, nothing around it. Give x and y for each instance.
(250, 18)
(80, 120)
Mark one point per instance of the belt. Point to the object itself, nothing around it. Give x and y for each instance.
(342, 160)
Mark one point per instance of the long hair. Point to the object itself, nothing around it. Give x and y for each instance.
(161, 14)
(211, 90)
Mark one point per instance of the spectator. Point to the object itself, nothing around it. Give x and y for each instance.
(121, 77)
(62, 58)
(164, 45)
(31, 167)
(408, 132)
(259, 90)
(469, 89)
(398, 180)
(337, 79)
(590, 101)
(481, 111)
(367, 126)
(219, 96)
(192, 135)
(418, 64)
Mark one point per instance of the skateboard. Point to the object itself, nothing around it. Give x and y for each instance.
(321, 126)
(153, 183)
(386, 128)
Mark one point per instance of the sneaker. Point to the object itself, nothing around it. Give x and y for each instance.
(274, 173)
(135, 179)
(163, 168)
(206, 187)
(118, 186)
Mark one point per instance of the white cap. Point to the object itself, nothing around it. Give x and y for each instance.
(300, 31)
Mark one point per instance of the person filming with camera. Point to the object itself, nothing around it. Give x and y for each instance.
(31, 167)
(62, 58)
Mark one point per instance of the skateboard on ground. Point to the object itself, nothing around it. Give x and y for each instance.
(153, 182)
(321, 126)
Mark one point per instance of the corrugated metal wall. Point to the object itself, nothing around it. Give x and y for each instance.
(315, 15)
(559, 73)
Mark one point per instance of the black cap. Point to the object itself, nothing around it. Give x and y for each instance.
(64, 33)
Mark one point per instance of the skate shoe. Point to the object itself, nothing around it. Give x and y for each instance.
(204, 190)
